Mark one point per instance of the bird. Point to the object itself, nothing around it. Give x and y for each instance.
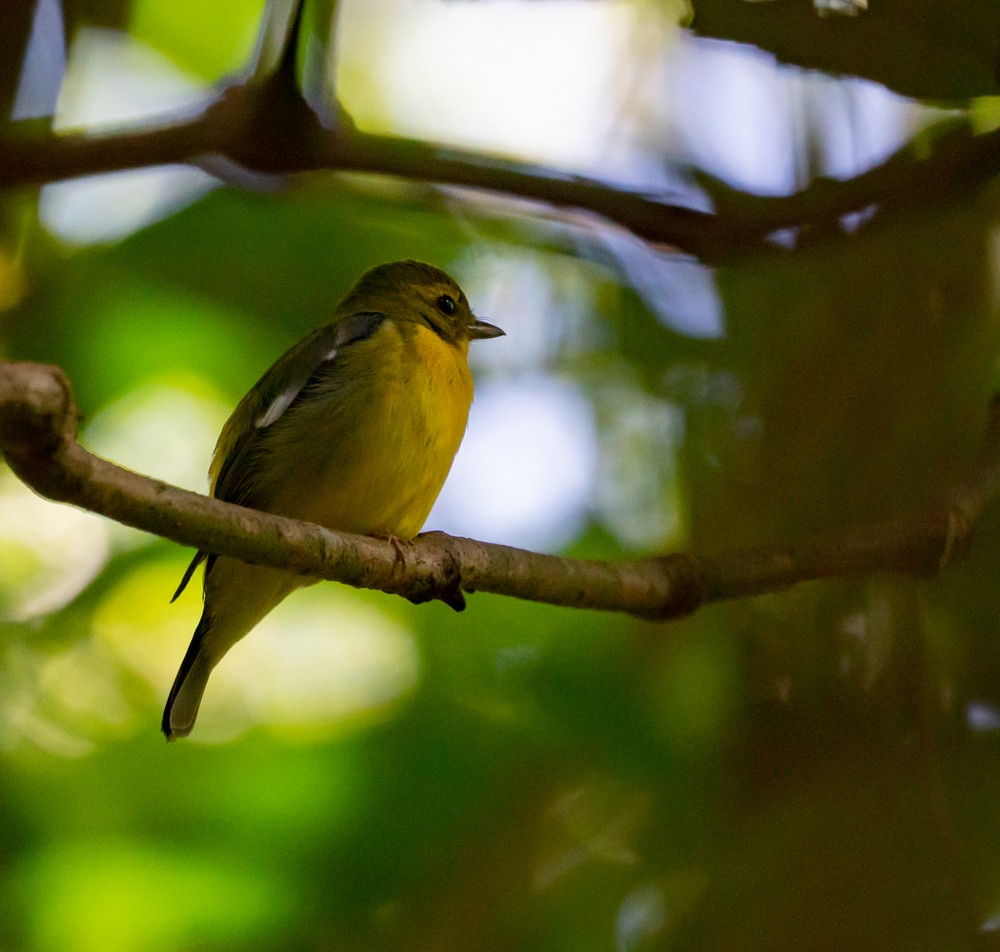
(355, 428)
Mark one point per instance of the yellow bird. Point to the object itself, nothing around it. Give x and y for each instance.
(354, 428)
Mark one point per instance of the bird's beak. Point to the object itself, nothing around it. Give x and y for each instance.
(484, 330)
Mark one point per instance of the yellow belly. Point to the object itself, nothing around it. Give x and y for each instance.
(381, 446)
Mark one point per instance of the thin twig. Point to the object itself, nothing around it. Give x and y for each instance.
(38, 438)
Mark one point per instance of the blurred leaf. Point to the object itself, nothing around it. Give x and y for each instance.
(209, 40)
(120, 897)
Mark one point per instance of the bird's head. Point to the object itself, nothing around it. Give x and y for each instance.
(418, 292)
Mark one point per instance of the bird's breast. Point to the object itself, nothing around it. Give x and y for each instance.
(384, 437)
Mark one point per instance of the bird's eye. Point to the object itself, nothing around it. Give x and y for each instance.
(446, 304)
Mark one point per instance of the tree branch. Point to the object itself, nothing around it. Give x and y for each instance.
(265, 125)
(38, 438)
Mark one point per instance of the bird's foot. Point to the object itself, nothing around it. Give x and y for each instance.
(450, 590)
(400, 546)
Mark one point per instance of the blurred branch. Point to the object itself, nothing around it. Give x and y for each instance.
(38, 420)
(921, 175)
(263, 128)
(926, 51)
(266, 125)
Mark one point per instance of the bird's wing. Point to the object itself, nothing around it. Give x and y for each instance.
(273, 394)
(266, 402)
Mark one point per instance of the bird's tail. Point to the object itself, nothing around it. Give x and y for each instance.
(237, 596)
(184, 699)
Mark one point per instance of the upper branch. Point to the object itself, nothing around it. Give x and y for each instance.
(38, 438)
(266, 125)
